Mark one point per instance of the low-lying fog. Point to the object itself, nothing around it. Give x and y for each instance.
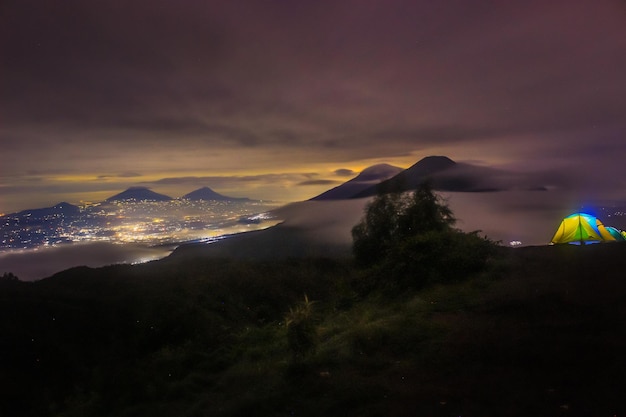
(529, 217)
(29, 265)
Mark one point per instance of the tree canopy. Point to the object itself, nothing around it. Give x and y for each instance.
(394, 217)
(410, 240)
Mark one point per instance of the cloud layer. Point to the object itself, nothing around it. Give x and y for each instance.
(121, 92)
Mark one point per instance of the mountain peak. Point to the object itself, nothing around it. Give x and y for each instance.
(426, 167)
(378, 172)
(63, 205)
(411, 177)
(207, 194)
(139, 194)
(435, 161)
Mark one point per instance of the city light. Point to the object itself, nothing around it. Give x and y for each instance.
(147, 222)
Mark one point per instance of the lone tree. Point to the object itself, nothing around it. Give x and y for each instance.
(409, 240)
(394, 217)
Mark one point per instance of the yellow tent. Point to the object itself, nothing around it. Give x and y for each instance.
(580, 229)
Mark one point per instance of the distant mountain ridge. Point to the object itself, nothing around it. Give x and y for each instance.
(139, 194)
(444, 174)
(207, 194)
(368, 177)
(135, 193)
(65, 209)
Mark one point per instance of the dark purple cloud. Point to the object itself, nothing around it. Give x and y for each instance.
(221, 88)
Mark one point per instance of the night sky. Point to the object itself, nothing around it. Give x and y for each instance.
(285, 99)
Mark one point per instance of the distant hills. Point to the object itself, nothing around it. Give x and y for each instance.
(136, 193)
(139, 194)
(207, 194)
(61, 209)
(145, 194)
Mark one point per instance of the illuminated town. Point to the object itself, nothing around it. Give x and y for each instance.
(149, 222)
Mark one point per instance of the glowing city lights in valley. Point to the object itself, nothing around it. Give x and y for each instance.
(146, 222)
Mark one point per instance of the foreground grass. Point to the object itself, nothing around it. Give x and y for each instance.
(542, 332)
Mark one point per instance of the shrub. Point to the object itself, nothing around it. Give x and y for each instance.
(437, 257)
(301, 330)
(9, 277)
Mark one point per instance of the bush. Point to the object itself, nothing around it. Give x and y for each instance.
(437, 257)
(301, 330)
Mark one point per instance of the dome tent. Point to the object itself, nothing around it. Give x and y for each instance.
(618, 235)
(581, 229)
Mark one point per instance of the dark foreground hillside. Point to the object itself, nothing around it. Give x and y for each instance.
(542, 332)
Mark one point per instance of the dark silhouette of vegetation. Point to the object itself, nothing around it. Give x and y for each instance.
(408, 240)
(301, 330)
(218, 337)
(9, 277)
(393, 217)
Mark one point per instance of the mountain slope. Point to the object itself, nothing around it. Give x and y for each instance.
(368, 177)
(519, 340)
(411, 177)
(139, 194)
(65, 209)
(58, 210)
(207, 194)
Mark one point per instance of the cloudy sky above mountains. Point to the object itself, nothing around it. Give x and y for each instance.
(281, 99)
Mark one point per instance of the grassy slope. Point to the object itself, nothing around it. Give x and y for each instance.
(542, 333)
